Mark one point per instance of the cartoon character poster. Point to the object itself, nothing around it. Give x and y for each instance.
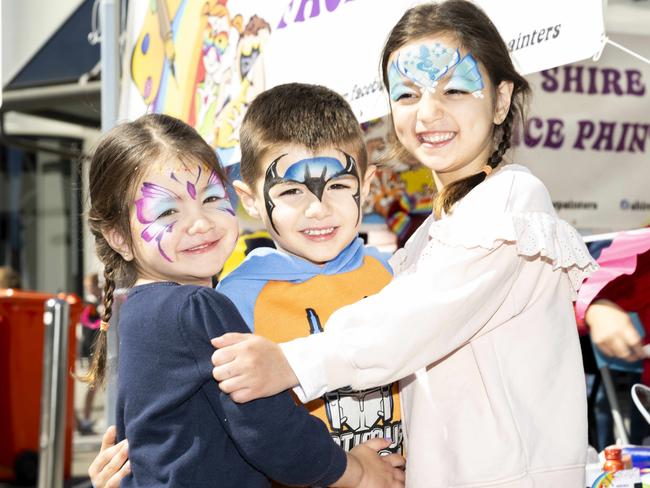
(202, 61)
(401, 192)
(198, 60)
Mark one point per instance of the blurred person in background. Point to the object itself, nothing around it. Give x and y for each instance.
(9, 277)
(90, 318)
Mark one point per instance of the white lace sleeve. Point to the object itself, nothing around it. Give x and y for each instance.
(535, 234)
(455, 275)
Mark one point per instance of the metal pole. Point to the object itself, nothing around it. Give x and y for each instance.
(53, 393)
(109, 21)
(610, 391)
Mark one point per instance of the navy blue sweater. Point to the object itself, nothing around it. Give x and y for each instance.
(182, 430)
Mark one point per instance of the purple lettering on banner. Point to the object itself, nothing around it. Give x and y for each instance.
(283, 23)
(639, 137)
(573, 74)
(315, 10)
(611, 81)
(585, 131)
(331, 5)
(593, 71)
(529, 140)
(550, 83)
(606, 135)
(554, 136)
(634, 84)
(623, 138)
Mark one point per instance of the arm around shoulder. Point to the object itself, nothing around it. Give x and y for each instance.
(273, 434)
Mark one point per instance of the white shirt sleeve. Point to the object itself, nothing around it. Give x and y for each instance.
(468, 266)
(416, 320)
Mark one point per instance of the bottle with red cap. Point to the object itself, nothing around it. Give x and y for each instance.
(613, 459)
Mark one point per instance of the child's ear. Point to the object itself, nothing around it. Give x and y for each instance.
(503, 100)
(247, 197)
(367, 180)
(118, 243)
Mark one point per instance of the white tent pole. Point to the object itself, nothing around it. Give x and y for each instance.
(630, 52)
(109, 17)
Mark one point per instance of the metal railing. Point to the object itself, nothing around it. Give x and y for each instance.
(53, 394)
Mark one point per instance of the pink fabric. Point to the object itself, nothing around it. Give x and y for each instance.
(86, 319)
(618, 259)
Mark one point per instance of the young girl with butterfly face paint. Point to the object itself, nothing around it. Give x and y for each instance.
(478, 322)
(163, 225)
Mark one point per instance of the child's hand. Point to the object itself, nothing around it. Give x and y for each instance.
(367, 469)
(249, 367)
(111, 464)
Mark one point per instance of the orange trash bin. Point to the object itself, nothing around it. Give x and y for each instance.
(21, 378)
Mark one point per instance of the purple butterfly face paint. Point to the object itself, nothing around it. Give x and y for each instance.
(160, 207)
(155, 210)
(216, 191)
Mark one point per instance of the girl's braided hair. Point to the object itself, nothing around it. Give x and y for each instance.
(120, 159)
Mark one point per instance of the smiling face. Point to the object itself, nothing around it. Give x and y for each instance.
(182, 224)
(309, 202)
(444, 106)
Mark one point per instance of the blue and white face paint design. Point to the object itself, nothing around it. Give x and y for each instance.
(423, 66)
(314, 173)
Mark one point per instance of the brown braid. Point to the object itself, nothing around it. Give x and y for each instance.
(453, 192)
(504, 144)
(109, 289)
(97, 372)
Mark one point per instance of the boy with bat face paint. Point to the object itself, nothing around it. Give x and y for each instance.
(304, 174)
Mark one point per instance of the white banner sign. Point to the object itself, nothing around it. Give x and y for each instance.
(588, 138)
(337, 43)
(205, 61)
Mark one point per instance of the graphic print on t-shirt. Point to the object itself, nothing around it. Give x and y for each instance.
(286, 310)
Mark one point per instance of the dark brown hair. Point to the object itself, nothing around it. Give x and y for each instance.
(121, 157)
(9, 277)
(296, 113)
(476, 33)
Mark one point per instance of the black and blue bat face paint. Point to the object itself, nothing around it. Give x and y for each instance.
(315, 174)
(159, 207)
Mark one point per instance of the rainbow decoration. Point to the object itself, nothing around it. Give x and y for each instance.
(604, 480)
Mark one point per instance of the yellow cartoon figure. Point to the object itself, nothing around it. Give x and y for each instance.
(153, 48)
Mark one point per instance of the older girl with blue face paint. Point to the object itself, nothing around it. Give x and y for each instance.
(478, 322)
(163, 225)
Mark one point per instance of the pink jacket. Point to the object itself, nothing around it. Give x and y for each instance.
(479, 325)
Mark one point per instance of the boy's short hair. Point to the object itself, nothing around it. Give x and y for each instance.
(312, 116)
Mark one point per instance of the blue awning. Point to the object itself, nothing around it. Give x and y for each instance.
(61, 81)
(65, 57)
